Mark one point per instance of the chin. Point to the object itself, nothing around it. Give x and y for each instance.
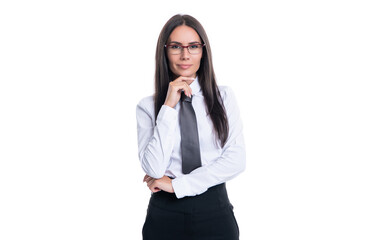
(187, 74)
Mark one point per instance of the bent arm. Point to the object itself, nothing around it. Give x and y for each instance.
(155, 141)
(231, 162)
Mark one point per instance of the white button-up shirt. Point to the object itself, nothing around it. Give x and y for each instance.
(160, 144)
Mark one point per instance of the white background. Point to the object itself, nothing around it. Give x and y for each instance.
(72, 72)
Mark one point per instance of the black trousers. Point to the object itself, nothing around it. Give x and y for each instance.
(208, 216)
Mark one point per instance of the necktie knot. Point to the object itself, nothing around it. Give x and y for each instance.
(186, 98)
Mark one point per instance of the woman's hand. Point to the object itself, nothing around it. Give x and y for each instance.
(175, 89)
(156, 185)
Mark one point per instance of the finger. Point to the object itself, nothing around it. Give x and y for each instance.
(182, 78)
(154, 190)
(148, 179)
(187, 89)
(182, 86)
(187, 78)
(145, 177)
(153, 187)
(150, 182)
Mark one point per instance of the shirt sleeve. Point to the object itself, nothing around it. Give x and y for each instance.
(155, 141)
(231, 162)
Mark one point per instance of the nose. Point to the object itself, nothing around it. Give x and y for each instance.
(185, 53)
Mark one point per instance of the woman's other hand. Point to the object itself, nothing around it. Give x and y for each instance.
(156, 185)
(175, 88)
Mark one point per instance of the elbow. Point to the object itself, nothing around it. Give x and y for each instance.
(241, 166)
(154, 173)
(152, 170)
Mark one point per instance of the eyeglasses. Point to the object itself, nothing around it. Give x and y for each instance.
(176, 49)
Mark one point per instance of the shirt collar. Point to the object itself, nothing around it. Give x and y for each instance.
(195, 86)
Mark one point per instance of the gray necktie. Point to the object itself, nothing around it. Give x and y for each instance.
(189, 136)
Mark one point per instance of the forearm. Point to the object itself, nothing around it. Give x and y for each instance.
(156, 142)
(225, 168)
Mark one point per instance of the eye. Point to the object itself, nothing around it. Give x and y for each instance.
(194, 46)
(175, 47)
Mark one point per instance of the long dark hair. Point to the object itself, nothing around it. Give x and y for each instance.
(206, 75)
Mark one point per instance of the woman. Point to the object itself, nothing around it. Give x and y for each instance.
(190, 140)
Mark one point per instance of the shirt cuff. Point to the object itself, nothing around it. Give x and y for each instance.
(180, 186)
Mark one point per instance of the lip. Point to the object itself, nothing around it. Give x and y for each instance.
(184, 66)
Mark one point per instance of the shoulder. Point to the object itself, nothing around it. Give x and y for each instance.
(146, 101)
(146, 105)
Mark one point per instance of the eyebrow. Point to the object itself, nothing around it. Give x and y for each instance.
(195, 42)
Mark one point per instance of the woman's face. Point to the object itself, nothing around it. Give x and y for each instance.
(184, 64)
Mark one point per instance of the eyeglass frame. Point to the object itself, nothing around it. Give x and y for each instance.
(183, 47)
